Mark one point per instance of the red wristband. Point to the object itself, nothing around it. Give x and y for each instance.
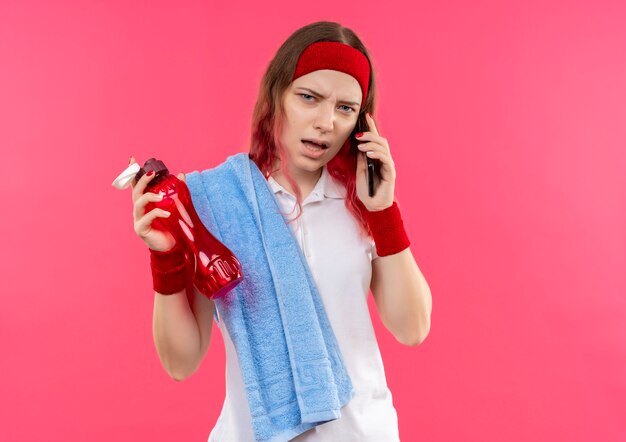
(387, 230)
(169, 274)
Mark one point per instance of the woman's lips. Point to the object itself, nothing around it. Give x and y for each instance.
(312, 150)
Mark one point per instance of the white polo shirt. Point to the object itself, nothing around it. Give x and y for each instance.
(340, 262)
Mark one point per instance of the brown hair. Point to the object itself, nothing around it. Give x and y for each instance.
(265, 145)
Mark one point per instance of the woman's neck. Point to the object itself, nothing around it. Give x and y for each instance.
(305, 180)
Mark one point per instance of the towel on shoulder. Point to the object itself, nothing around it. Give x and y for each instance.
(292, 367)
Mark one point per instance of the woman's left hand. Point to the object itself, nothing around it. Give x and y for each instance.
(371, 141)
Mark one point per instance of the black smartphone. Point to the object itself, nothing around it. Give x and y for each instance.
(370, 176)
(371, 163)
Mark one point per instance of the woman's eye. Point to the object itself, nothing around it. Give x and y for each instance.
(346, 107)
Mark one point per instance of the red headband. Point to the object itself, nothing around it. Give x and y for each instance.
(338, 57)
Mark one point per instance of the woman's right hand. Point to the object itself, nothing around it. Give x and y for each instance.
(155, 239)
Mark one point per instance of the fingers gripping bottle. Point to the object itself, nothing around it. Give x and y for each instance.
(217, 270)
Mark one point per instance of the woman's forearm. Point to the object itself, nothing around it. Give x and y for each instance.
(402, 297)
(176, 334)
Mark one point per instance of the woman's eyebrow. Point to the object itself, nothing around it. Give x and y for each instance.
(353, 103)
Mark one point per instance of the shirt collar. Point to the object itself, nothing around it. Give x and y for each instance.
(326, 186)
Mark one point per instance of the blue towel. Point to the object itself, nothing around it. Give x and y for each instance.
(292, 367)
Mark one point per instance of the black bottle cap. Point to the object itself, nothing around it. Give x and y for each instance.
(152, 164)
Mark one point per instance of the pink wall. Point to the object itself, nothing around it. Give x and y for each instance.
(507, 126)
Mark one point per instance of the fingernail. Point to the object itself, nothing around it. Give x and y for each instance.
(150, 173)
(369, 115)
(359, 135)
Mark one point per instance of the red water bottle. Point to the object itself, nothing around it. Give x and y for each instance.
(217, 270)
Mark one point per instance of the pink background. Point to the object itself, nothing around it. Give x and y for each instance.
(507, 124)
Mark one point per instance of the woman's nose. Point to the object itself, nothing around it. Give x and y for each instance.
(324, 118)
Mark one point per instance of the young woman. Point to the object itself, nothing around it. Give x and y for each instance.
(311, 131)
